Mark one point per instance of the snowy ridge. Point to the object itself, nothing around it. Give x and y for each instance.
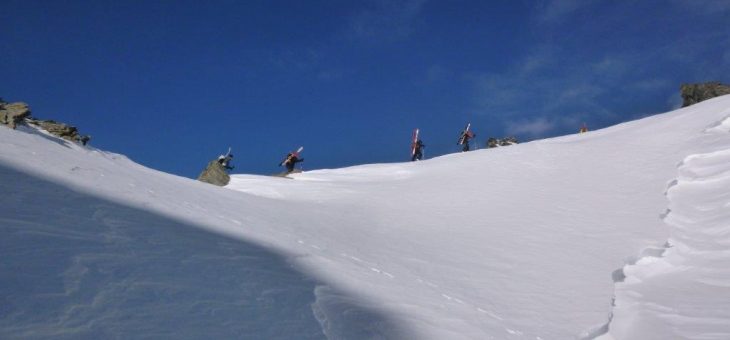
(684, 291)
(510, 243)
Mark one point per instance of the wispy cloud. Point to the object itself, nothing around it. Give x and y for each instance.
(330, 75)
(543, 56)
(675, 101)
(532, 128)
(577, 92)
(533, 63)
(386, 20)
(541, 85)
(652, 84)
(299, 59)
(610, 65)
(713, 7)
(545, 88)
(436, 73)
(556, 11)
(559, 85)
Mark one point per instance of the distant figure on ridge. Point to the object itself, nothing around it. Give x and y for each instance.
(292, 159)
(418, 150)
(583, 129)
(465, 138)
(225, 160)
(84, 139)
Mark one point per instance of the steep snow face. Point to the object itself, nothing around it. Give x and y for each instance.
(514, 242)
(685, 292)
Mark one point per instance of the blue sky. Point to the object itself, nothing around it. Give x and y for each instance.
(172, 84)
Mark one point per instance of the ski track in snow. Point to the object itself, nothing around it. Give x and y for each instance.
(373, 267)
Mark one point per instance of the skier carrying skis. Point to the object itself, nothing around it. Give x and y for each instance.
(583, 129)
(225, 161)
(466, 136)
(290, 161)
(418, 150)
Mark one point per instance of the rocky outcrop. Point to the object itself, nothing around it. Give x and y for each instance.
(62, 130)
(12, 114)
(215, 174)
(695, 93)
(495, 142)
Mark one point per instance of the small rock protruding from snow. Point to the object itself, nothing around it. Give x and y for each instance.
(215, 174)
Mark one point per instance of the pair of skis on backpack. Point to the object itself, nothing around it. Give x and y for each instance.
(291, 161)
(417, 145)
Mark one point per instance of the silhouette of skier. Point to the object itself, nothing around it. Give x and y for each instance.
(418, 150)
(225, 161)
(291, 160)
(465, 139)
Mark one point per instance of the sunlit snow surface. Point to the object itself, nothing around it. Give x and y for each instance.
(529, 241)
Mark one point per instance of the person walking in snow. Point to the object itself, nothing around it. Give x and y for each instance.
(290, 161)
(225, 161)
(418, 150)
(583, 129)
(466, 138)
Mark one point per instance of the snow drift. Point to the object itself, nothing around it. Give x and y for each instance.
(529, 241)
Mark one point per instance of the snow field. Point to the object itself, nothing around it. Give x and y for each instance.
(684, 293)
(520, 242)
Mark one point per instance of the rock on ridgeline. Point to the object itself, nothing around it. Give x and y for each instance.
(496, 142)
(214, 174)
(11, 114)
(695, 93)
(64, 131)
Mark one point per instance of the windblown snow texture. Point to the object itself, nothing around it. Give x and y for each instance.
(508, 243)
(685, 293)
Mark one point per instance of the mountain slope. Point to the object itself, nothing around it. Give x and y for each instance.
(514, 242)
(684, 292)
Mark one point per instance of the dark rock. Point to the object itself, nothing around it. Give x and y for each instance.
(695, 93)
(495, 142)
(12, 114)
(62, 130)
(215, 174)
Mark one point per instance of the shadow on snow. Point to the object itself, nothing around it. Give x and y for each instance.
(77, 266)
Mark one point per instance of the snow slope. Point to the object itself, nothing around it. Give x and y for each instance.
(684, 291)
(526, 241)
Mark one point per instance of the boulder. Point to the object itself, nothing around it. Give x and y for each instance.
(215, 174)
(11, 114)
(695, 93)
